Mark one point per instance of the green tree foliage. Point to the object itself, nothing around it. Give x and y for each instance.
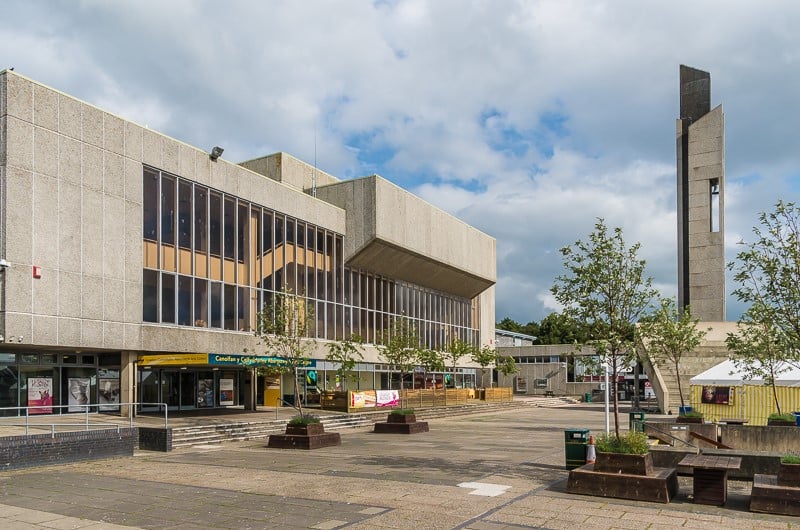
(506, 365)
(606, 290)
(400, 345)
(767, 340)
(283, 328)
(560, 328)
(346, 354)
(455, 351)
(507, 324)
(484, 357)
(668, 334)
(430, 359)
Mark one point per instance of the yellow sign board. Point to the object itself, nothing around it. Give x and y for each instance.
(174, 359)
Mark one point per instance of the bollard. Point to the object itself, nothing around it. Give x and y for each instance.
(591, 455)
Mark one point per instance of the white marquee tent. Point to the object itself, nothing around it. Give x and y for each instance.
(727, 374)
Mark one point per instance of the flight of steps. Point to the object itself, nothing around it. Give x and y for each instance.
(241, 431)
(704, 358)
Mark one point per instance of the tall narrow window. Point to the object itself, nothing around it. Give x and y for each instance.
(216, 305)
(714, 204)
(200, 303)
(185, 300)
(150, 296)
(168, 298)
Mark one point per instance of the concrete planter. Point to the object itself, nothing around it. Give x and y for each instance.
(625, 464)
(305, 430)
(401, 424)
(781, 423)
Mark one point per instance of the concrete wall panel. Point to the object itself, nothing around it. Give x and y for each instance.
(132, 242)
(151, 148)
(69, 227)
(92, 125)
(69, 159)
(92, 297)
(69, 332)
(131, 336)
(45, 224)
(92, 167)
(170, 160)
(113, 174)
(113, 134)
(19, 291)
(113, 237)
(113, 335)
(19, 217)
(91, 333)
(113, 300)
(45, 152)
(44, 330)
(19, 141)
(134, 142)
(45, 293)
(19, 98)
(18, 325)
(132, 313)
(69, 294)
(69, 116)
(92, 233)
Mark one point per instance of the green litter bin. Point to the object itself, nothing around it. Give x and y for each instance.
(636, 421)
(587, 397)
(575, 441)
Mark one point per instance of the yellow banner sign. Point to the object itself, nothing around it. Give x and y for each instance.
(174, 359)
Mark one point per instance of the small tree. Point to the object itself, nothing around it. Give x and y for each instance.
(756, 350)
(283, 328)
(605, 289)
(345, 354)
(506, 365)
(668, 334)
(767, 341)
(484, 357)
(454, 352)
(399, 346)
(430, 359)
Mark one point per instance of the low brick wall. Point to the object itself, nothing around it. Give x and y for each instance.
(18, 452)
(155, 439)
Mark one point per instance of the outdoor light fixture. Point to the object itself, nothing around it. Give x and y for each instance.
(216, 153)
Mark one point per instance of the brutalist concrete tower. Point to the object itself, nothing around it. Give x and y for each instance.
(701, 192)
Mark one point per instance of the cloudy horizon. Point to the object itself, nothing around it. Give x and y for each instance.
(525, 119)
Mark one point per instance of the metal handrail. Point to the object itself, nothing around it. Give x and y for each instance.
(278, 402)
(645, 427)
(86, 411)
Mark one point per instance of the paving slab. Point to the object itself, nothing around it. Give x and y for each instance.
(516, 457)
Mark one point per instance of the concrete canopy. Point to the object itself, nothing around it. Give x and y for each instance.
(396, 234)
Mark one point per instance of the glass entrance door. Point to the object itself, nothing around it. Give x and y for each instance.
(187, 390)
(170, 389)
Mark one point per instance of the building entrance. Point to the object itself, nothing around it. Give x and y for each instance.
(188, 389)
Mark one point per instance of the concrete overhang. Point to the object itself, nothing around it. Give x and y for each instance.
(393, 233)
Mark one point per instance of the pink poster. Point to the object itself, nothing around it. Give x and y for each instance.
(40, 395)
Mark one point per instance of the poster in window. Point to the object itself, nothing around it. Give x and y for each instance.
(78, 394)
(108, 394)
(716, 395)
(522, 384)
(205, 393)
(226, 392)
(40, 395)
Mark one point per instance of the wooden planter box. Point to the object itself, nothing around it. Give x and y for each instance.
(685, 419)
(624, 463)
(402, 418)
(789, 475)
(311, 436)
(782, 423)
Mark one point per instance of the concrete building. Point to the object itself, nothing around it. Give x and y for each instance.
(137, 263)
(701, 198)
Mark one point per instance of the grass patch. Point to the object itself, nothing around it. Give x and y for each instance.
(692, 414)
(786, 416)
(630, 443)
(790, 458)
(306, 419)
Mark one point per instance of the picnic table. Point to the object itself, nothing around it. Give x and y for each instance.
(710, 476)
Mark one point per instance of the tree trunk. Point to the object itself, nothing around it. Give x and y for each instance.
(297, 402)
(680, 390)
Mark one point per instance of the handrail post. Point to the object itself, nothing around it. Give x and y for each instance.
(166, 414)
(277, 405)
(27, 419)
(86, 415)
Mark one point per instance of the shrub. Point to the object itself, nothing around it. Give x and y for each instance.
(403, 412)
(782, 417)
(304, 420)
(790, 458)
(632, 443)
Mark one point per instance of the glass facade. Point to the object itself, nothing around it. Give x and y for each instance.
(213, 260)
(56, 383)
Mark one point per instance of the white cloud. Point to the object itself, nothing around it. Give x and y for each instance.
(528, 119)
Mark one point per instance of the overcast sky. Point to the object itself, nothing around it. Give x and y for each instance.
(526, 119)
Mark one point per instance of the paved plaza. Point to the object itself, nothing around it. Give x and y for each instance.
(491, 471)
